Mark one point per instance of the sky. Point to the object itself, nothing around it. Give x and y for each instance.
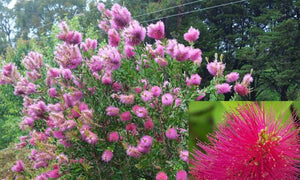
(12, 4)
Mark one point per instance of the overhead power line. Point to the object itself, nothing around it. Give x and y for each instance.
(167, 8)
(188, 12)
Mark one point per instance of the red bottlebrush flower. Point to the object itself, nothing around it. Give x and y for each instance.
(252, 145)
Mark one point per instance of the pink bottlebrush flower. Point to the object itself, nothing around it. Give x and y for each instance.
(137, 90)
(67, 74)
(62, 158)
(223, 88)
(37, 110)
(167, 99)
(195, 54)
(178, 101)
(192, 35)
(171, 133)
(253, 144)
(131, 127)
(195, 79)
(121, 17)
(146, 141)
(215, 68)
(128, 50)
(161, 61)
(54, 107)
(53, 174)
(241, 89)
(146, 96)
(58, 135)
(65, 143)
(67, 125)
(88, 135)
(33, 75)
(110, 58)
(184, 155)
(134, 34)
(181, 53)
(143, 149)
(181, 175)
(33, 60)
(96, 64)
(145, 83)
(133, 152)
(176, 90)
(107, 156)
(104, 25)
(148, 124)
(172, 43)
(69, 101)
(127, 99)
(201, 96)
(156, 31)
(161, 176)
(52, 92)
(113, 137)
(125, 116)
(141, 112)
(23, 138)
(68, 56)
(198, 61)
(156, 91)
(51, 74)
(24, 87)
(247, 79)
(117, 86)
(101, 7)
(231, 77)
(166, 83)
(89, 44)
(18, 167)
(107, 79)
(113, 37)
(28, 121)
(9, 74)
(160, 50)
(70, 37)
(108, 14)
(41, 177)
(112, 111)
(40, 164)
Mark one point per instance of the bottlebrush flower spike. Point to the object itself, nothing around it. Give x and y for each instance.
(18, 167)
(121, 17)
(33, 60)
(231, 77)
(134, 34)
(192, 35)
(156, 31)
(113, 37)
(252, 145)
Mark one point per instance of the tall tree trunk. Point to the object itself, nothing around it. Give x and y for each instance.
(283, 93)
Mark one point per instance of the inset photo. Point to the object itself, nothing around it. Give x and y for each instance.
(244, 140)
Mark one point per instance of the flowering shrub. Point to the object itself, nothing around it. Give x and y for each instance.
(252, 144)
(117, 110)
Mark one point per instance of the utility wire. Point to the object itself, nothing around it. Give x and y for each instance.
(167, 8)
(173, 15)
(203, 9)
